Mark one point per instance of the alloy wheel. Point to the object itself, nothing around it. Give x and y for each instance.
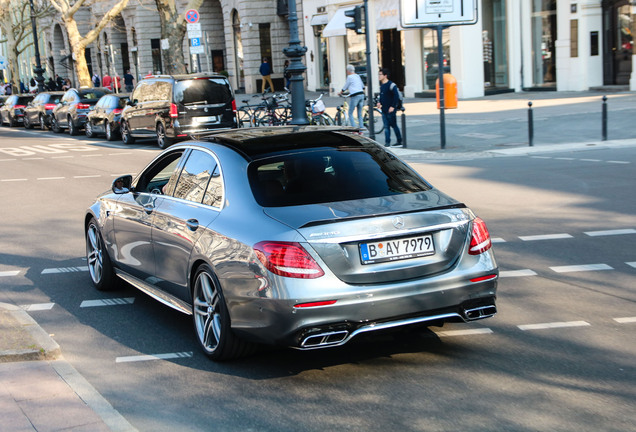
(207, 312)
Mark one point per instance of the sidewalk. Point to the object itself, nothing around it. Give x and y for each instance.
(40, 391)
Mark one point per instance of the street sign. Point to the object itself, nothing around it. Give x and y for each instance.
(197, 49)
(195, 34)
(194, 27)
(430, 13)
(195, 42)
(192, 16)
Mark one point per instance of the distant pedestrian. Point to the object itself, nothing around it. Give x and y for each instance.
(59, 82)
(23, 88)
(266, 73)
(33, 86)
(66, 85)
(149, 74)
(129, 81)
(50, 85)
(355, 87)
(96, 81)
(389, 101)
(106, 81)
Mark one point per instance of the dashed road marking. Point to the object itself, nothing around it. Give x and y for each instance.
(65, 270)
(14, 180)
(470, 332)
(108, 302)
(610, 232)
(517, 273)
(545, 237)
(581, 268)
(9, 273)
(631, 264)
(625, 320)
(553, 325)
(150, 357)
(37, 307)
(497, 240)
(50, 178)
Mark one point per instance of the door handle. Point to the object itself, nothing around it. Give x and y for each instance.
(192, 224)
(149, 208)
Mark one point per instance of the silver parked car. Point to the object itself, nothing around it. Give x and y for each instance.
(297, 236)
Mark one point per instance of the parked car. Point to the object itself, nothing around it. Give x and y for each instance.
(73, 108)
(12, 111)
(170, 108)
(104, 117)
(298, 236)
(38, 111)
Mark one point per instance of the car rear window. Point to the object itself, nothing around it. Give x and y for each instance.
(330, 175)
(203, 91)
(92, 95)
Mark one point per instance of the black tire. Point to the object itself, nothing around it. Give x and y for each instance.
(55, 127)
(100, 267)
(162, 140)
(42, 123)
(110, 135)
(72, 129)
(27, 123)
(338, 119)
(88, 129)
(211, 319)
(126, 137)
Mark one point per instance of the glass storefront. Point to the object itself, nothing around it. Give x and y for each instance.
(494, 43)
(544, 25)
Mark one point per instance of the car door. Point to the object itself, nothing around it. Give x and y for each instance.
(134, 214)
(180, 219)
(62, 110)
(98, 113)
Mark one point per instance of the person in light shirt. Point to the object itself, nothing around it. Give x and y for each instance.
(355, 87)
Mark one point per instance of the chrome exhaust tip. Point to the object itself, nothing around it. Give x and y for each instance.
(480, 312)
(324, 339)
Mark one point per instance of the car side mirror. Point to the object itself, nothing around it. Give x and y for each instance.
(131, 102)
(122, 185)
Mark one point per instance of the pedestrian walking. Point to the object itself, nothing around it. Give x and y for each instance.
(389, 101)
(106, 81)
(266, 73)
(129, 81)
(355, 87)
(96, 80)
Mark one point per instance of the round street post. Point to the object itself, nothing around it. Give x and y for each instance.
(296, 67)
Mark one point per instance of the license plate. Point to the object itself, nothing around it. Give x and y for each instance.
(208, 119)
(397, 249)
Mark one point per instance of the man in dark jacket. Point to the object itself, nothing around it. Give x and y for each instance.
(389, 101)
(266, 73)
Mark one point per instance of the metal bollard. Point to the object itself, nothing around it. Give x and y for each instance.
(530, 125)
(604, 119)
(403, 128)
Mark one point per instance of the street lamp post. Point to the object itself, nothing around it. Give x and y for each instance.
(38, 65)
(296, 67)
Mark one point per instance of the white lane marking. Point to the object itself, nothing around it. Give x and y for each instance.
(581, 268)
(139, 358)
(93, 155)
(108, 302)
(553, 325)
(7, 160)
(9, 273)
(50, 178)
(618, 162)
(625, 320)
(590, 160)
(14, 180)
(34, 158)
(610, 232)
(450, 333)
(631, 264)
(37, 307)
(541, 157)
(545, 237)
(517, 273)
(565, 158)
(65, 270)
(497, 240)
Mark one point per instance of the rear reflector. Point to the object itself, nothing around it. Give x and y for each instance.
(484, 278)
(480, 240)
(315, 304)
(287, 259)
(173, 111)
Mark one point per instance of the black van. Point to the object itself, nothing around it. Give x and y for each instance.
(171, 108)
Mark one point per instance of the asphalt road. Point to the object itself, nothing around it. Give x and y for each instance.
(559, 355)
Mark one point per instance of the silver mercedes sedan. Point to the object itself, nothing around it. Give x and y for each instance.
(298, 236)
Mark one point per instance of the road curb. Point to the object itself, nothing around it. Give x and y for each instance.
(33, 342)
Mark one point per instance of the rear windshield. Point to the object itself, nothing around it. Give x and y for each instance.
(330, 175)
(92, 95)
(205, 91)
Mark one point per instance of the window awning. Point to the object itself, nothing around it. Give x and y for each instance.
(321, 19)
(336, 25)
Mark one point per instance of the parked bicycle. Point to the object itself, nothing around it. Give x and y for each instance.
(316, 112)
(245, 113)
(342, 115)
(276, 110)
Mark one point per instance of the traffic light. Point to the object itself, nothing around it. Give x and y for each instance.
(357, 13)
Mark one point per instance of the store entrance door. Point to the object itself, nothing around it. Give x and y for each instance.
(619, 43)
(391, 55)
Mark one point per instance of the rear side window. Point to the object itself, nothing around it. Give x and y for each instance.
(195, 177)
(330, 175)
(209, 91)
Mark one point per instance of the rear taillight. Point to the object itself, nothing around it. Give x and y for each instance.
(117, 111)
(49, 106)
(288, 259)
(19, 106)
(83, 106)
(234, 106)
(480, 240)
(173, 111)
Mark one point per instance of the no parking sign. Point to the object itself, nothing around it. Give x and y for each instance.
(192, 16)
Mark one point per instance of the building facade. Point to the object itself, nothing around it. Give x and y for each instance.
(516, 45)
